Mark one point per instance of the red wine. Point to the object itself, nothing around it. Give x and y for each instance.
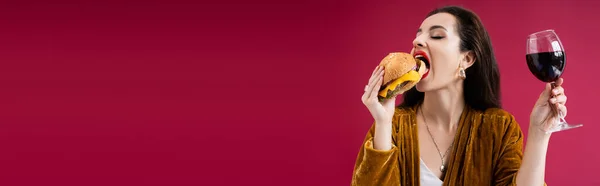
(546, 66)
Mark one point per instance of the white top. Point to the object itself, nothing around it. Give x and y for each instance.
(427, 177)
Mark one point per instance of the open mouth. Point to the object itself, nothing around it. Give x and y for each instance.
(423, 57)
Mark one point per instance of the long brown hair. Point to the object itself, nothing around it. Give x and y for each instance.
(482, 85)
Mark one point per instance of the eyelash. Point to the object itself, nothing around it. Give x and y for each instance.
(437, 37)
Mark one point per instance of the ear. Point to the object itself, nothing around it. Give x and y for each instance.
(468, 59)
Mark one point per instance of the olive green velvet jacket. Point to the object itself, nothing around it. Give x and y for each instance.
(487, 151)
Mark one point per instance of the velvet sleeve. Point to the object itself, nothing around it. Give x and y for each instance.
(376, 167)
(511, 154)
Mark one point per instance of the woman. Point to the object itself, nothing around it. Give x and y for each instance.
(450, 129)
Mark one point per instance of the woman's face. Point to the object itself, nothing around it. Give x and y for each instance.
(439, 42)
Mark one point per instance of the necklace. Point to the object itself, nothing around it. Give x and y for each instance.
(443, 166)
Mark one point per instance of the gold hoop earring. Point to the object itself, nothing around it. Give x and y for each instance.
(461, 73)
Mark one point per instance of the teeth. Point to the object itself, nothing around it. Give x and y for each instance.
(421, 57)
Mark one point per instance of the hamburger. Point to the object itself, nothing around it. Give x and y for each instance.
(402, 72)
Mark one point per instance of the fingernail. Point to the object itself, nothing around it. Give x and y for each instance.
(553, 100)
(555, 91)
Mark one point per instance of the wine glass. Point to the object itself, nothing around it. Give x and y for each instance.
(546, 60)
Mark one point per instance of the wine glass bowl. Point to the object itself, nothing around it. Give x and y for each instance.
(545, 56)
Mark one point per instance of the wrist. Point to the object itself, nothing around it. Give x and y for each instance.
(537, 134)
(383, 122)
(382, 136)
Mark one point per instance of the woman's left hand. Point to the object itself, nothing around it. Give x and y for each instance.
(543, 118)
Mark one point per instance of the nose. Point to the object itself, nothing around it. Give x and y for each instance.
(419, 41)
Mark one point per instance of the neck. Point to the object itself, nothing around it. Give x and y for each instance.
(442, 108)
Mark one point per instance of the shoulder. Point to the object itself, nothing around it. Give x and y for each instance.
(501, 119)
(497, 113)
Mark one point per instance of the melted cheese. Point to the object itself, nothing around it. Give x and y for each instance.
(410, 76)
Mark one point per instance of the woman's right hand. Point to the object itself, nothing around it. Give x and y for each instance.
(383, 111)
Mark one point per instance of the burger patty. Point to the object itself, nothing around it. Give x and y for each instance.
(398, 88)
(402, 85)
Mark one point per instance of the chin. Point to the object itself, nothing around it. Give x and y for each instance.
(426, 87)
(421, 87)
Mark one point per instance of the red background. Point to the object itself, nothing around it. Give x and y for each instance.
(251, 93)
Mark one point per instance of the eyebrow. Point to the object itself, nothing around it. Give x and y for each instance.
(432, 28)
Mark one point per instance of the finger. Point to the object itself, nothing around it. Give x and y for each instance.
(559, 82)
(366, 88)
(558, 91)
(375, 76)
(375, 70)
(375, 89)
(372, 86)
(561, 99)
(545, 95)
(365, 97)
(562, 109)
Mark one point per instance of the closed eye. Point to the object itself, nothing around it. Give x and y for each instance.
(437, 37)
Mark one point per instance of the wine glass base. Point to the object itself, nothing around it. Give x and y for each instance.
(563, 127)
